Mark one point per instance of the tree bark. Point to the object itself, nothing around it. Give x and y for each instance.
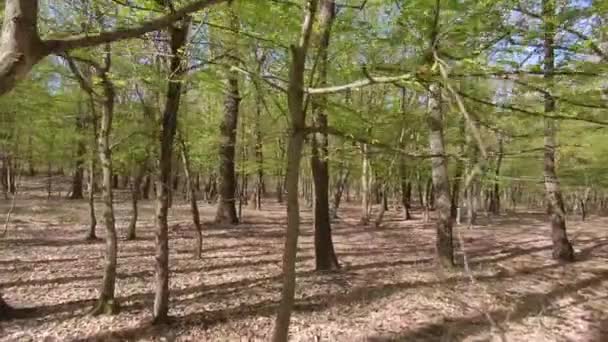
(21, 47)
(107, 304)
(562, 249)
(295, 99)
(196, 220)
(340, 187)
(406, 189)
(494, 206)
(325, 256)
(78, 177)
(135, 195)
(365, 188)
(441, 188)
(168, 129)
(91, 235)
(259, 147)
(226, 210)
(458, 172)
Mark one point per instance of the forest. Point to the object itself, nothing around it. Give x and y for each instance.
(304, 170)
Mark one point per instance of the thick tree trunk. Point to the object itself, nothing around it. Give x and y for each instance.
(107, 304)
(196, 220)
(226, 210)
(295, 99)
(325, 256)
(169, 126)
(444, 245)
(562, 249)
(20, 45)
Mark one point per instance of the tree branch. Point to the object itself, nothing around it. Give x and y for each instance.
(360, 83)
(56, 46)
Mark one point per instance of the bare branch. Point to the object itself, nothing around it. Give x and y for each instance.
(369, 80)
(56, 46)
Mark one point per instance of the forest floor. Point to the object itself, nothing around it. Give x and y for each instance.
(388, 288)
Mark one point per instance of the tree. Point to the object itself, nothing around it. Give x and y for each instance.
(562, 249)
(21, 46)
(325, 256)
(178, 36)
(295, 100)
(226, 210)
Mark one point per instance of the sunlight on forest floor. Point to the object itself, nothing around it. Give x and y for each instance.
(388, 288)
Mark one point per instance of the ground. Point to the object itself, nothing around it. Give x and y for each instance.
(388, 289)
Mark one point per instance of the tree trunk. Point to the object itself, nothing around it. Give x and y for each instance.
(295, 99)
(135, 194)
(406, 189)
(494, 207)
(562, 249)
(325, 256)
(474, 190)
(107, 304)
(226, 210)
(78, 177)
(365, 191)
(91, 235)
(259, 147)
(20, 47)
(169, 126)
(146, 187)
(441, 188)
(196, 220)
(383, 207)
(340, 187)
(458, 172)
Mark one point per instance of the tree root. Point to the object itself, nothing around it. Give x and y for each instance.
(105, 307)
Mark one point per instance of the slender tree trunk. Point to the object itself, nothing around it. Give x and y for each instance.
(494, 207)
(562, 249)
(474, 190)
(196, 220)
(406, 189)
(91, 235)
(146, 187)
(49, 174)
(295, 99)
(135, 195)
(383, 206)
(444, 246)
(169, 126)
(107, 304)
(226, 210)
(78, 177)
(259, 145)
(365, 191)
(340, 187)
(458, 172)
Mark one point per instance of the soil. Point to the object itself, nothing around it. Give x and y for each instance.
(388, 289)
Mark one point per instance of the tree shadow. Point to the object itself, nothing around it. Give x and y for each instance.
(529, 304)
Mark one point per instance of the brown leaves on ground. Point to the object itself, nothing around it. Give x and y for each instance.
(388, 288)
